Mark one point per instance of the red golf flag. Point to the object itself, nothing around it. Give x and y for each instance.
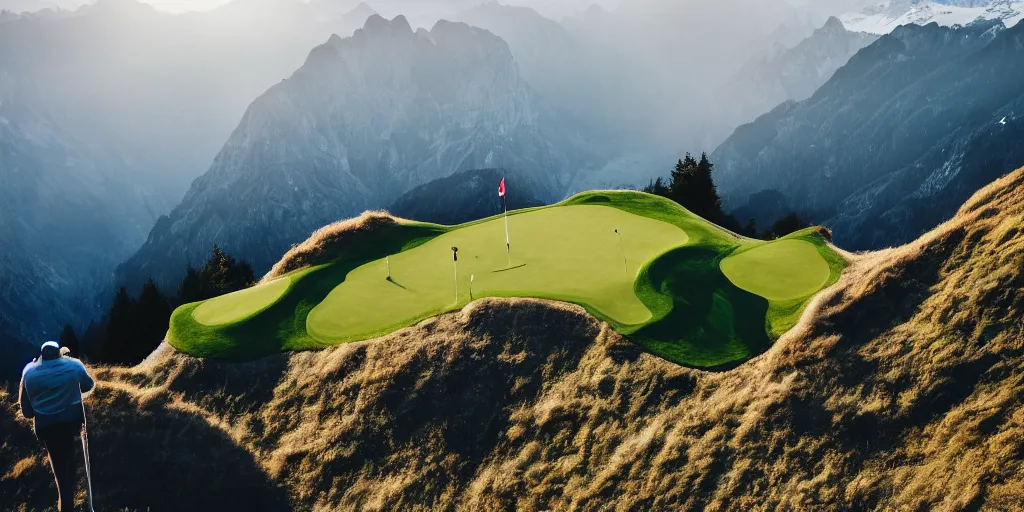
(501, 188)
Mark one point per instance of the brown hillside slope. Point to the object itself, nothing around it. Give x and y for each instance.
(902, 392)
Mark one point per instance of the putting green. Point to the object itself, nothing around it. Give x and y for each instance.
(570, 253)
(234, 307)
(778, 271)
(687, 291)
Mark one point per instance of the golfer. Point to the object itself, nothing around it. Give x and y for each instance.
(52, 388)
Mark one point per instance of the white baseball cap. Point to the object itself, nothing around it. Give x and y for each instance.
(50, 350)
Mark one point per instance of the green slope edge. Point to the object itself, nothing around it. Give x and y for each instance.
(702, 321)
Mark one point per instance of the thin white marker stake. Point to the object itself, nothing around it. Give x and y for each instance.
(625, 267)
(388, 260)
(472, 277)
(508, 243)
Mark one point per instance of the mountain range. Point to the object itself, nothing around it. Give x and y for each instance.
(23, 6)
(792, 73)
(605, 99)
(101, 135)
(364, 120)
(900, 136)
(60, 227)
(667, 61)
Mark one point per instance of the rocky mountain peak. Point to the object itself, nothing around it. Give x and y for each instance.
(377, 25)
(363, 9)
(364, 120)
(832, 25)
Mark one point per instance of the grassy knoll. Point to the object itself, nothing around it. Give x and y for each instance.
(680, 286)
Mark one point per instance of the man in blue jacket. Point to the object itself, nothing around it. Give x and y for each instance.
(52, 388)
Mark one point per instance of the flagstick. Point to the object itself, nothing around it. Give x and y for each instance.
(508, 244)
(625, 266)
(455, 258)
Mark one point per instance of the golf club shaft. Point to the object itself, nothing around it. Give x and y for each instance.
(88, 465)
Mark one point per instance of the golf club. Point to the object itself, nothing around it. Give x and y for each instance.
(625, 266)
(88, 466)
(455, 256)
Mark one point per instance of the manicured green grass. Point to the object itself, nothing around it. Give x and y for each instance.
(687, 291)
(780, 271)
(234, 307)
(570, 254)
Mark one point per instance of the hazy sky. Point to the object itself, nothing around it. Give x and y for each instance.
(552, 8)
(555, 9)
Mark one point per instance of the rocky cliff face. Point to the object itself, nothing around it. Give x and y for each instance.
(364, 120)
(789, 74)
(465, 197)
(896, 140)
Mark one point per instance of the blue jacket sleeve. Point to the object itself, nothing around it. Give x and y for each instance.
(85, 381)
(26, 403)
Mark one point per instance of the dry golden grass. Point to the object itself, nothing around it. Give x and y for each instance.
(328, 240)
(901, 389)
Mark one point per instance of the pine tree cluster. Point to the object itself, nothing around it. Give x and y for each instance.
(134, 327)
(691, 185)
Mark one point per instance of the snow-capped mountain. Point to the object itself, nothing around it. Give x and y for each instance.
(882, 17)
(896, 140)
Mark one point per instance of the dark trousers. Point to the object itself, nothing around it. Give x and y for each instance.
(59, 441)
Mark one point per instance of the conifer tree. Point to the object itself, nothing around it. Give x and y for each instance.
(152, 313)
(118, 335)
(785, 226)
(750, 229)
(191, 288)
(132, 329)
(657, 187)
(707, 203)
(222, 274)
(91, 342)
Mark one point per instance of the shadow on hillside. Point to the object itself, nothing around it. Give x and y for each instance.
(713, 324)
(148, 454)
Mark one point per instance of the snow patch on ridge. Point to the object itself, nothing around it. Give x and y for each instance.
(884, 17)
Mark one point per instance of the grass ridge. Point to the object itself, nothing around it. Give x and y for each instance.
(699, 318)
